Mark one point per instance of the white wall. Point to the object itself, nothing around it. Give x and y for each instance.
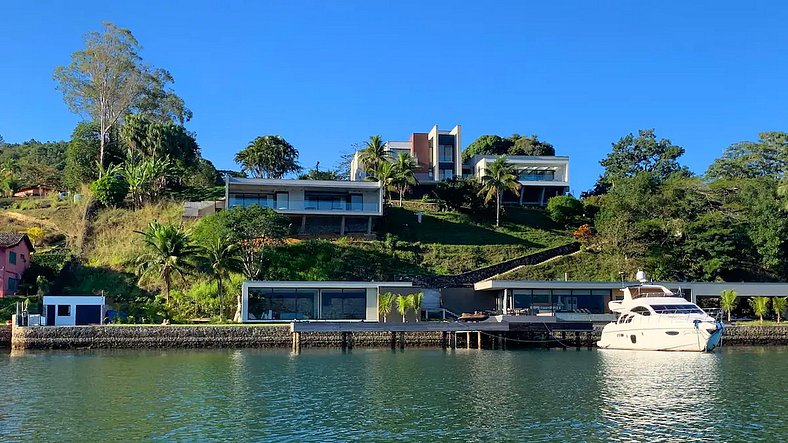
(73, 301)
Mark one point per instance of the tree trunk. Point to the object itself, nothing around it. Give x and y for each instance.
(221, 303)
(400, 197)
(729, 316)
(497, 209)
(167, 288)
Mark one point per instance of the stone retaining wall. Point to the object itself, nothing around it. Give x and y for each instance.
(755, 335)
(145, 337)
(101, 337)
(5, 337)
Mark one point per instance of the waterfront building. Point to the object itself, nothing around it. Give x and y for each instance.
(550, 297)
(267, 301)
(72, 310)
(15, 250)
(316, 206)
(438, 155)
(540, 177)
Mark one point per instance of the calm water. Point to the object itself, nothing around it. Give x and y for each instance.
(739, 394)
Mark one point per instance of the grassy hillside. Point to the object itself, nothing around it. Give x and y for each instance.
(444, 243)
(584, 265)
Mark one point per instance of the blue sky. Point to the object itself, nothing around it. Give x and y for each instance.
(325, 75)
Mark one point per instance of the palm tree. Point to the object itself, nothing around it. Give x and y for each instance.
(728, 301)
(221, 258)
(500, 177)
(778, 306)
(415, 303)
(403, 304)
(385, 304)
(404, 174)
(386, 175)
(169, 251)
(760, 305)
(373, 154)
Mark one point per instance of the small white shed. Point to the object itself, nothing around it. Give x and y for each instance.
(73, 310)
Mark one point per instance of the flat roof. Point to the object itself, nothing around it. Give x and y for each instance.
(743, 289)
(343, 184)
(325, 284)
(541, 158)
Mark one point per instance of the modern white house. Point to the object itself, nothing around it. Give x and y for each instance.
(316, 206)
(438, 155)
(273, 301)
(73, 310)
(540, 177)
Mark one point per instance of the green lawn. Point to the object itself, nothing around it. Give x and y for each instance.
(520, 226)
(582, 266)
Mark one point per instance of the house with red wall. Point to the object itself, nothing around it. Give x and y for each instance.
(15, 250)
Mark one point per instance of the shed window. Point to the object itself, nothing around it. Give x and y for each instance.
(63, 310)
(12, 257)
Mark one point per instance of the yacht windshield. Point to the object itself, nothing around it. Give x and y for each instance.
(676, 309)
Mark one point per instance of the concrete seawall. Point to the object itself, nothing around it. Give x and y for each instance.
(152, 337)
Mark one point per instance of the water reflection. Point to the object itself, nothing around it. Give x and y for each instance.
(658, 395)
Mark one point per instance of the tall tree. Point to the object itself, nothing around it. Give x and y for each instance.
(404, 174)
(645, 152)
(386, 175)
(501, 176)
(169, 251)
(82, 154)
(269, 156)
(222, 257)
(108, 80)
(767, 157)
(488, 144)
(373, 153)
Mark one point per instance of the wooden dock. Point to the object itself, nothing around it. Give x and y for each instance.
(539, 332)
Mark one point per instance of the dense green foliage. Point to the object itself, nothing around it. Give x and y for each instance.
(631, 155)
(514, 145)
(459, 194)
(565, 210)
(110, 190)
(269, 156)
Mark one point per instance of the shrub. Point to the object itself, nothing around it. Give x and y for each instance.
(459, 193)
(583, 234)
(565, 209)
(36, 235)
(110, 190)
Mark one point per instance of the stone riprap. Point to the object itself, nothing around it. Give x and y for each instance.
(116, 337)
(5, 337)
(152, 337)
(755, 335)
(147, 337)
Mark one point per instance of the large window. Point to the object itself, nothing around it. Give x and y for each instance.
(282, 200)
(246, 200)
(343, 304)
(12, 257)
(531, 175)
(356, 202)
(445, 153)
(281, 304)
(558, 300)
(325, 202)
(446, 174)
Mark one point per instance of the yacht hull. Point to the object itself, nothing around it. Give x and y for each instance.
(692, 337)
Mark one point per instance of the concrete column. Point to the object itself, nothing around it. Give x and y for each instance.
(303, 223)
(369, 225)
(505, 307)
(342, 226)
(522, 194)
(541, 198)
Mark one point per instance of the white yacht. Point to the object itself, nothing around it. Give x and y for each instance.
(653, 318)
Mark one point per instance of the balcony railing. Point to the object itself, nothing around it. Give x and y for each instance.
(306, 205)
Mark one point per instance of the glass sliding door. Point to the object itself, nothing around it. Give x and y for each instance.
(343, 304)
(281, 304)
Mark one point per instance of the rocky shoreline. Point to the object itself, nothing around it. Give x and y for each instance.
(158, 337)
